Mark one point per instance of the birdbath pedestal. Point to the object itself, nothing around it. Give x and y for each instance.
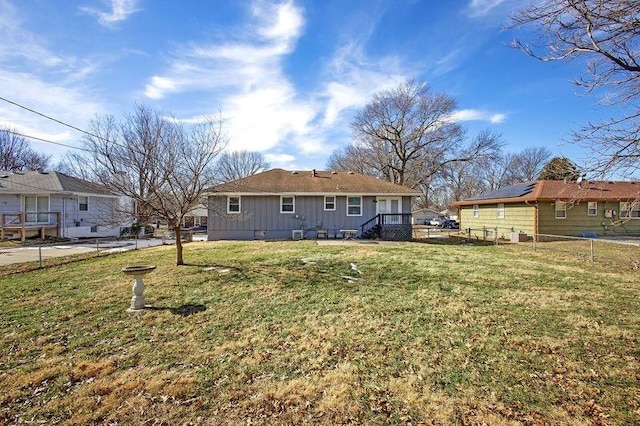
(138, 271)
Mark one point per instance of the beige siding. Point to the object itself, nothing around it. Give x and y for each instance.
(517, 218)
(577, 221)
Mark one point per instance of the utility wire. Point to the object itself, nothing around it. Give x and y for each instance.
(45, 140)
(53, 119)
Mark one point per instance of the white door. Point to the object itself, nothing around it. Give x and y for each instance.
(390, 205)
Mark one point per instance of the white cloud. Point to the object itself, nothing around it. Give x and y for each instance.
(478, 8)
(478, 115)
(118, 11)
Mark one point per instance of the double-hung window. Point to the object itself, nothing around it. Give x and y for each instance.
(83, 204)
(501, 211)
(329, 203)
(354, 206)
(476, 210)
(287, 204)
(592, 208)
(629, 210)
(233, 205)
(561, 210)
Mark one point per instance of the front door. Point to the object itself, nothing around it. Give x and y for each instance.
(390, 205)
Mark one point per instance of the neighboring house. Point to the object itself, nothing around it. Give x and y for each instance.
(556, 208)
(196, 217)
(54, 204)
(422, 216)
(279, 204)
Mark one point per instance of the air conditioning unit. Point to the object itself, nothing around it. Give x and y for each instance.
(296, 234)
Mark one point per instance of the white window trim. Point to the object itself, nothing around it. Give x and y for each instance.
(595, 203)
(37, 212)
(353, 205)
(282, 197)
(334, 203)
(79, 203)
(558, 204)
(476, 210)
(229, 204)
(627, 208)
(500, 211)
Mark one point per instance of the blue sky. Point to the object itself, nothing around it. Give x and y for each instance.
(285, 75)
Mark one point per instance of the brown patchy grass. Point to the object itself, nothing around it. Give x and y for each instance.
(427, 334)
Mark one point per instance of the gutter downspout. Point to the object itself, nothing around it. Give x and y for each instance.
(535, 218)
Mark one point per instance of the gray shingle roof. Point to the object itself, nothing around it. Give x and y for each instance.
(47, 182)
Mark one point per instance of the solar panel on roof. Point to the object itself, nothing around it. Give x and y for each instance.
(513, 191)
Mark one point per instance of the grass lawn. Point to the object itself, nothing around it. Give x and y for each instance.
(426, 333)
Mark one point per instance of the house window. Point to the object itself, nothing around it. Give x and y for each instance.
(83, 204)
(354, 206)
(35, 204)
(233, 205)
(561, 210)
(476, 210)
(287, 204)
(501, 211)
(629, 210)
(592, 208)
(329, 203)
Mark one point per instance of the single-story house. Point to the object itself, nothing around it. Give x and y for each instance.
(422, 216)
(56, 205)
(281, 204)
(555, 208)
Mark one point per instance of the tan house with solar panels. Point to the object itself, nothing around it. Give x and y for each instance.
(556, 208)
(281, 204)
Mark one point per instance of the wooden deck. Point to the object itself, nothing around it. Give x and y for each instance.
(16, 222)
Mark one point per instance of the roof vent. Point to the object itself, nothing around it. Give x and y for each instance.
(42, 172)
(4, 176)
(333, 172)
(294, 172)
(350, 172)
(313, 173)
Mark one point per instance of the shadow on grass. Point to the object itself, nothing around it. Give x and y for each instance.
(184, 310)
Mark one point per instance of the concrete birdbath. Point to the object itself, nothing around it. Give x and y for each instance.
(137, 271)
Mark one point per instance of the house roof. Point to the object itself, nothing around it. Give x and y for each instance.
(279, 181)
(549, 190)
(47, 183)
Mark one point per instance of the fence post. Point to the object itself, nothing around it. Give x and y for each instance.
(535, 237)
(484, 234)
(496, 235)
(469, 235)
(40, 255)
(591, 257)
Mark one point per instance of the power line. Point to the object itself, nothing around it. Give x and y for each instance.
(54, 119)
(45, 140)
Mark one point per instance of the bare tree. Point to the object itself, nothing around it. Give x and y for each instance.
(606, 35)
(17, 154)
(238, 164)
(560, 168)
(408, 135)
(163, 166)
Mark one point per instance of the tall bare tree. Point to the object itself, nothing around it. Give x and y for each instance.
(16, 154)
(606, 34)
(408, 136)
(162, 165)
(239, 164)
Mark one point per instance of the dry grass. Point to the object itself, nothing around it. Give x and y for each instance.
(427, 334)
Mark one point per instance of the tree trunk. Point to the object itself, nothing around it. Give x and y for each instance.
(179, 258)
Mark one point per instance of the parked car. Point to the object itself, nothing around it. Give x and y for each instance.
(450, 223)
(436, 221)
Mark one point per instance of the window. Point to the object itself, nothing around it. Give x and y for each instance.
(354, 206)
(287, 204)
(476, 210)
(35, 204)
(83, 204)
(592, 208)
(629, 210)
(329, 203)
(233, 205)
(501, 211)
(561, 210)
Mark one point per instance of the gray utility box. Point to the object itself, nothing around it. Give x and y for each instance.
(518, 237)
